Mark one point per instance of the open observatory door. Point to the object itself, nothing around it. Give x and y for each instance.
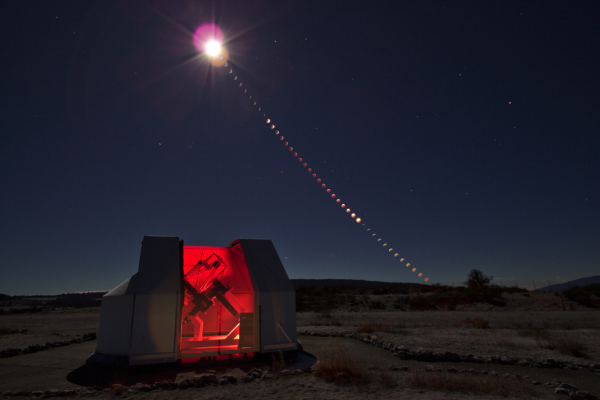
(219, 314)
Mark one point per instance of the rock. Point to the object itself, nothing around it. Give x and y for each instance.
(223, 381)
(183, 385)
(172, 385)
(210, 379)
(12, 352)
(267, 375)
(393, 367)
(561, 391)
(168, 385)
(424, 355)
(231, 379)
(257, 373)
(582, 395)
(144, 388)
(452, 370)
(568, 387)
(452, 357)
(574, 396)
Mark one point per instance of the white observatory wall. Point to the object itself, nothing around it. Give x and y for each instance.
(157, 309)
(277, 321)
(276, 296)
(114, 332)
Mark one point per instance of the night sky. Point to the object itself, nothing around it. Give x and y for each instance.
(465, 134)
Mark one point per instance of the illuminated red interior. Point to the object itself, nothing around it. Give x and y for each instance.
(218, 310)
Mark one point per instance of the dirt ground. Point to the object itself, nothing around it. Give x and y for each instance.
(533, 327)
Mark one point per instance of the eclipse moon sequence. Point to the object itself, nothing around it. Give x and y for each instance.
(208, 40)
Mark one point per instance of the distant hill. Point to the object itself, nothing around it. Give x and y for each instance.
(561, 287)
(87, 299)
(355, 283)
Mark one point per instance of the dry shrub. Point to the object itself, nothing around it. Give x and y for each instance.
(564, 344)
(336, 366)
(382, 379)
(476, 322)
(537, 333)
(509, 343)
(487, 384)
(277, 363)
(324, 319)
(572, 347)
(117, 389)
(381, 326)
(371, 327)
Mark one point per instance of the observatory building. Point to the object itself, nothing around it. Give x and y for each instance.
(188, 302)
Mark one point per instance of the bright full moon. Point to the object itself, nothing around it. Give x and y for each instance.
(212, 48)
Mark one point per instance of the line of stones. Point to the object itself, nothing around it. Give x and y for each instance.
(430, 356)
(41, 347)
(195, 382)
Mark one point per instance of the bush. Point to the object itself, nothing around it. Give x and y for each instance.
(477, 279)
(372, 327)
(571, 347)
(421, 303)
(399, 302)
(336, 366)
(377, 305)
(564, 344)
(324, 319)
(585, 295)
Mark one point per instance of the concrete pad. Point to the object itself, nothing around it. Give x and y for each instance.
(45, 369)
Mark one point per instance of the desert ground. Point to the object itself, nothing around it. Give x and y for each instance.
(362, 353)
